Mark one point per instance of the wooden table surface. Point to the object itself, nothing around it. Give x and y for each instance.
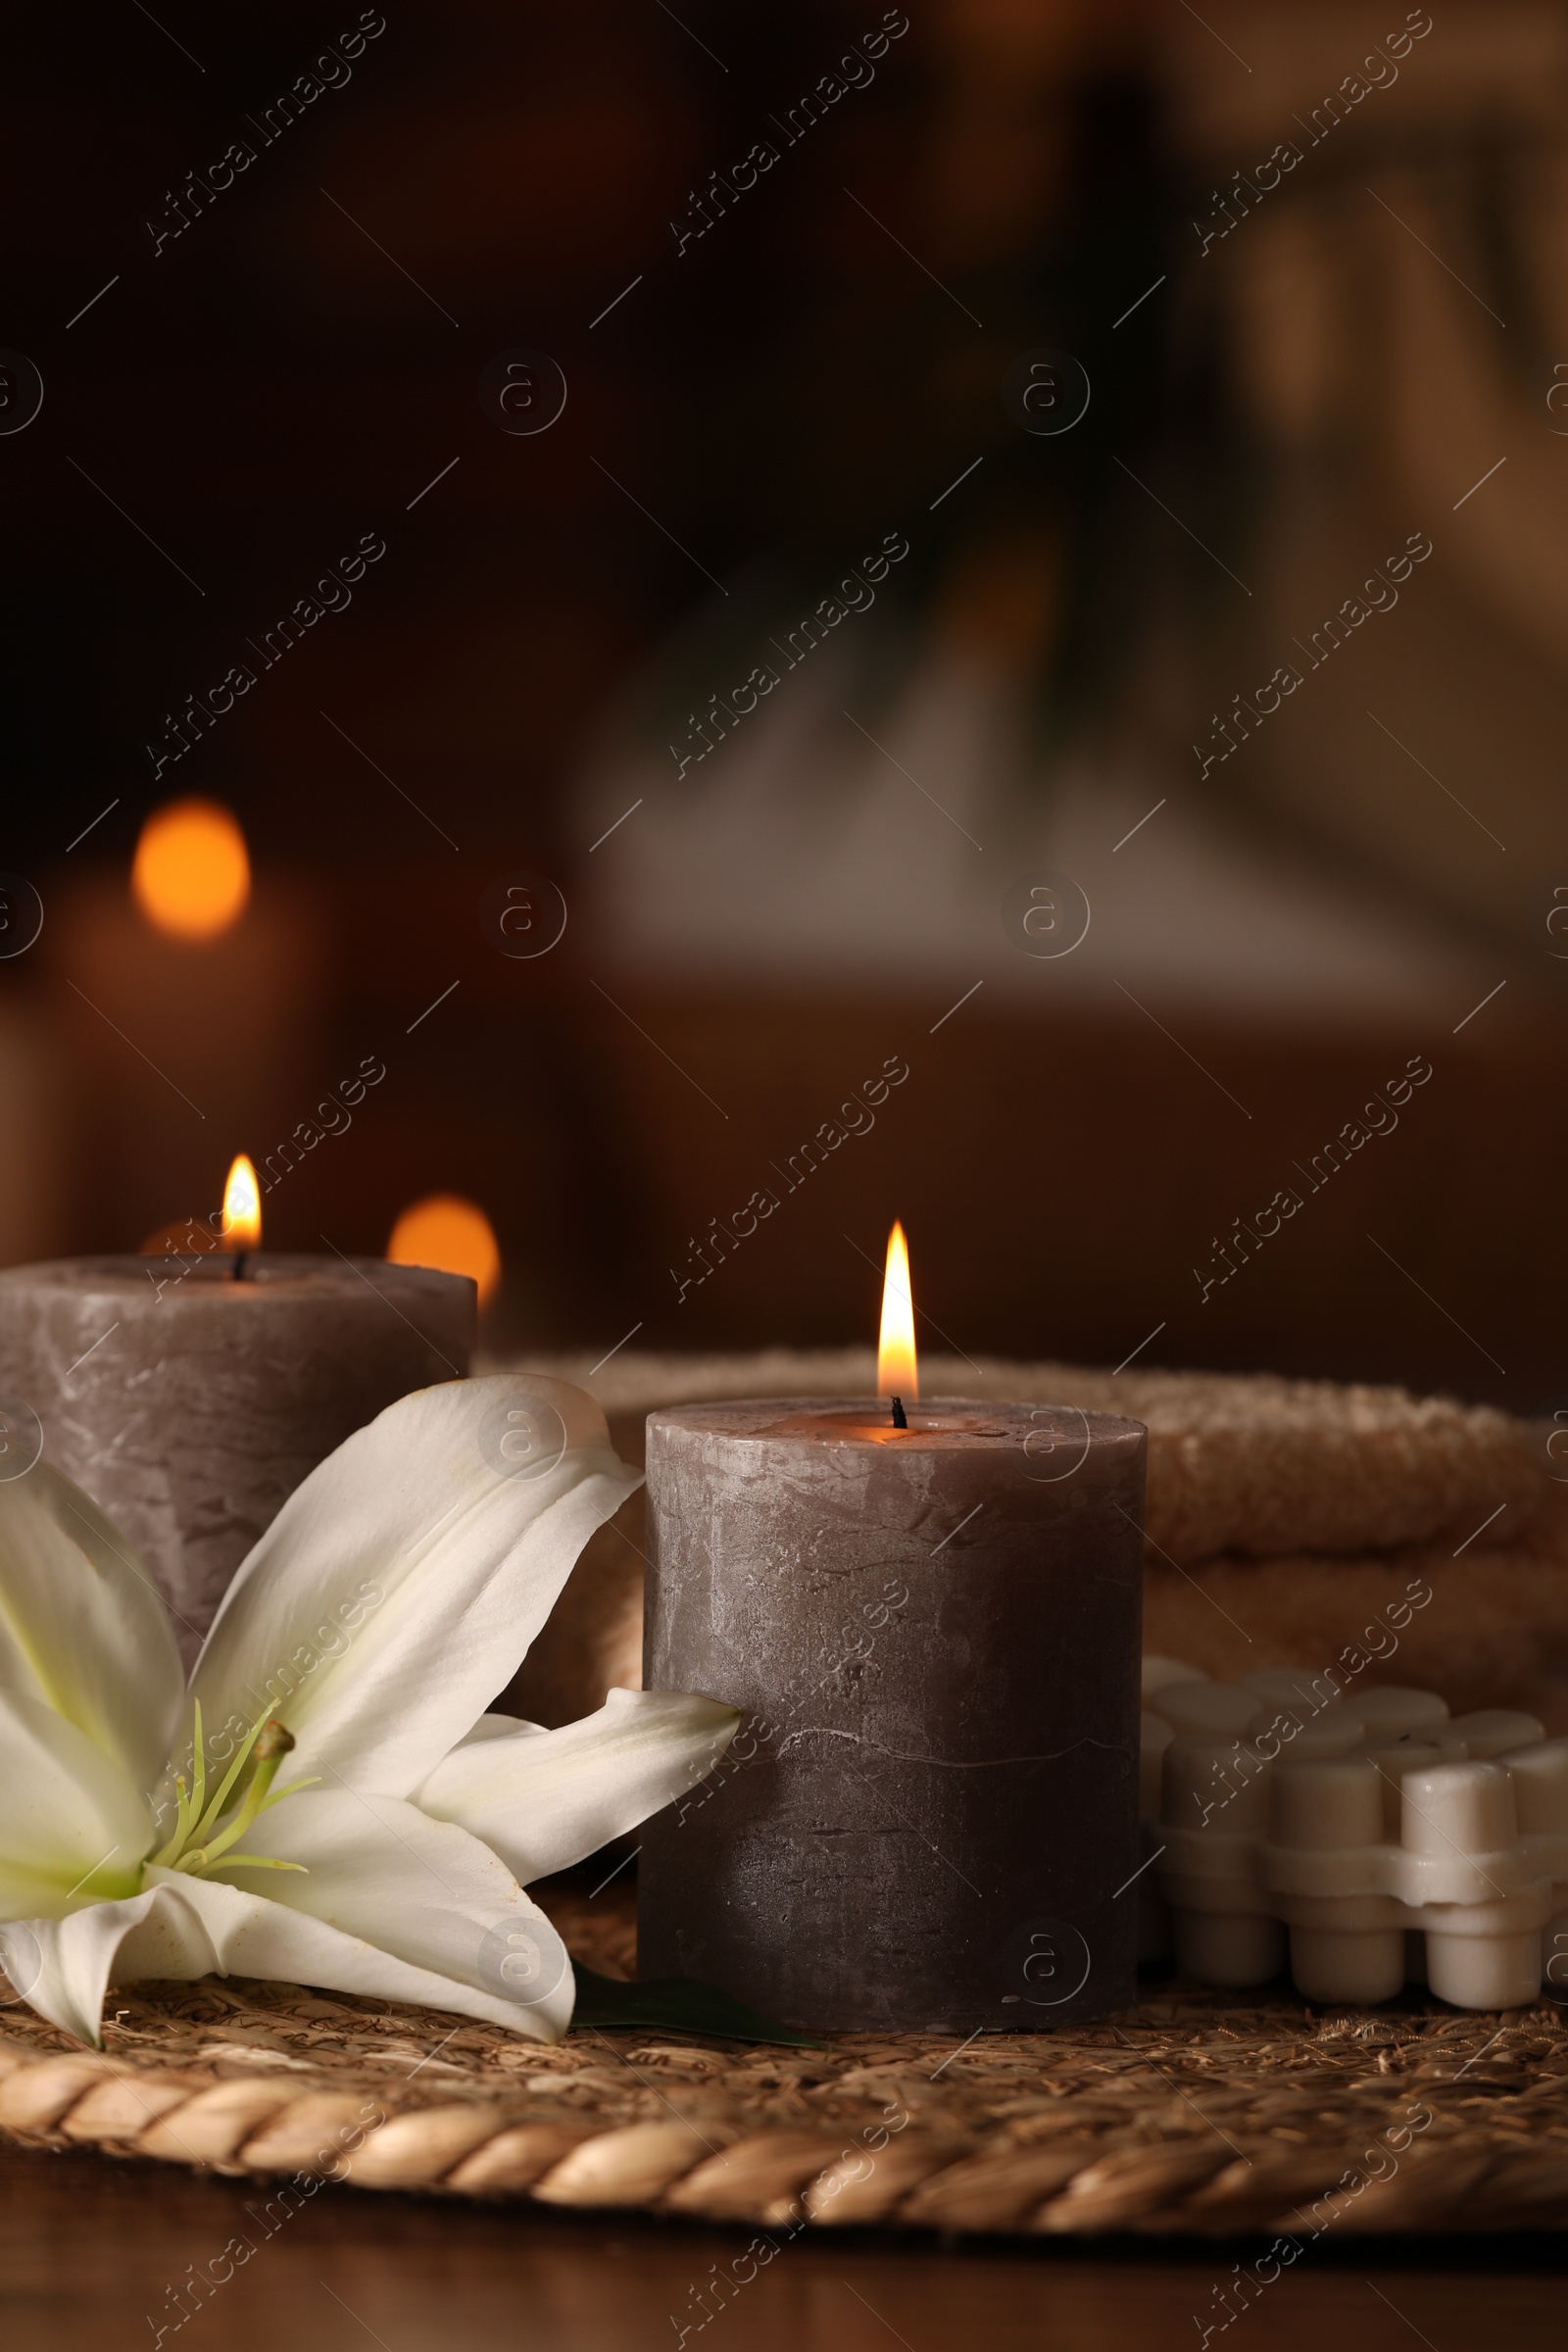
(91, 2248)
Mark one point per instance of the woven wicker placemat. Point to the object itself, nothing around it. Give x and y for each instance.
(1197, 2112)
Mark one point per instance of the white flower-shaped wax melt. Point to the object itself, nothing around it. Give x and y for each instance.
(1371, 1837)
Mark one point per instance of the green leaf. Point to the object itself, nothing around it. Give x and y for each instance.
(681, 2005)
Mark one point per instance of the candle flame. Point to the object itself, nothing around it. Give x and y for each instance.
(896, 1371)
(242, 1207)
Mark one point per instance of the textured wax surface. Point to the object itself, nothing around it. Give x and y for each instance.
(191, 1414)
(932, 1802)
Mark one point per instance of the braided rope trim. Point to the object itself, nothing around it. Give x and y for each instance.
(1179, 2176)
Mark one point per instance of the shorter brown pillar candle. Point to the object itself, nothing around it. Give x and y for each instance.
(191, 1404)
(929, 1817)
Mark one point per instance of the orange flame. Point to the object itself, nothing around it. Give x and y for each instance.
(896, 1371)
(242, 1207)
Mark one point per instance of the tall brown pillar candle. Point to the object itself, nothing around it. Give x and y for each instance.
(930, 1815)
(189, 1405)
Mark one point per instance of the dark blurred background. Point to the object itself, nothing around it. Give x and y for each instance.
(1308, 263)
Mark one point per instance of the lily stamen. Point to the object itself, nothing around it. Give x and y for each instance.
(191, 1824)
(198, 1842)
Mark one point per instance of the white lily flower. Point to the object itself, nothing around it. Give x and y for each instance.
(145, 1831)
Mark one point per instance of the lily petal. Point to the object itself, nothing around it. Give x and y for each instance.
(399, 1588)
(83, 1629)
(60, 1965)
(545, 1800)
(69, 1817)
(182, 1928)
(426, 1891)
(497, 1727)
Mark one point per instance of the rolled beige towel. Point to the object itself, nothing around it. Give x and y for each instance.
(1487, 1628)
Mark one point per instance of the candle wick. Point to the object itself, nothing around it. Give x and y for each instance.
(900, 1417)
(239, 1264)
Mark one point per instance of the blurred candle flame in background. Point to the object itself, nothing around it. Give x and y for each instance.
(896, 1371)
(191, 876)
(451, 1234)
(242, 1207)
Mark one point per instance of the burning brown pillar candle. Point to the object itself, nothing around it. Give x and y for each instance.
(189, 1395)
(930, 1613)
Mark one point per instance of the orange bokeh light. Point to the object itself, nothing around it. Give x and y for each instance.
(191, 875)
(451, 1234)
